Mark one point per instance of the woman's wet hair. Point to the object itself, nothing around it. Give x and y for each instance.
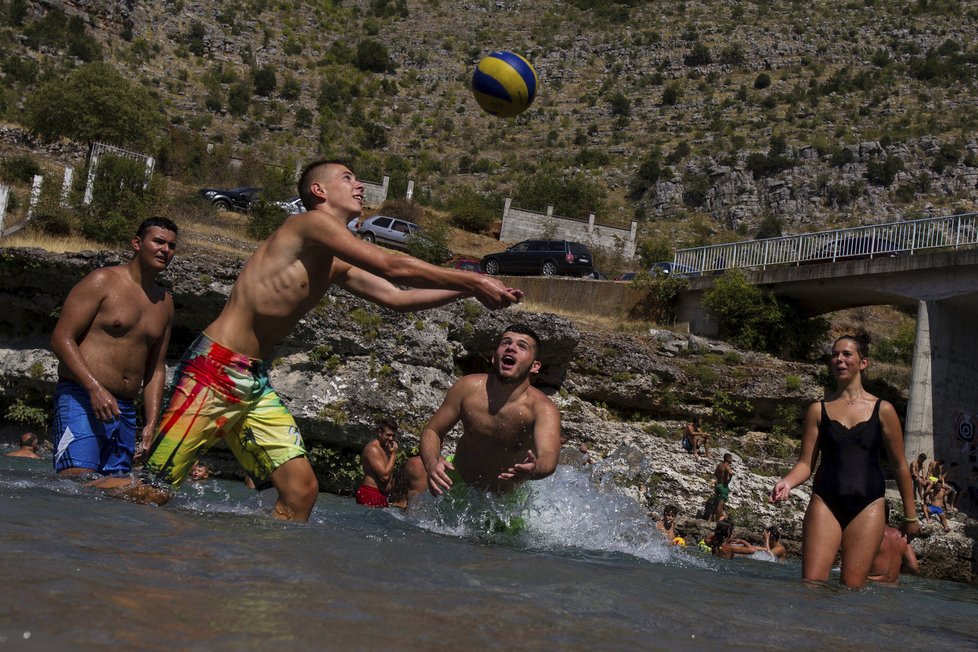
(775, 533)
(861, 340)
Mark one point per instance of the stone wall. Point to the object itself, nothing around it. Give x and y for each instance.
(519, 224)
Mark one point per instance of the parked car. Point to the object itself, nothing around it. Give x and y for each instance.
(400, 234)
(388, 231)
(596, 275)
(856, 248)
(468, 265)
(669, 268)
(236, 199)
(546, 257)
(627, 276)
(292, 206)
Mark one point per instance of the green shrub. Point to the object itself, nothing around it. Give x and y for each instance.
(432, 245)
(372, 56)
(661, 301)
(263, 218)
(762, 81)
(898, 348)
(755, 319)
(122, 197)
(19, 168)
(474, 211)
(883, 171)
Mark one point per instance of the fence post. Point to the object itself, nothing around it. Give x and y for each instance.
(66, 185)
(35, 195)
(4, 195)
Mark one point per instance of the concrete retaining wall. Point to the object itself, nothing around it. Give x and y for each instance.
(519, 224)
(576, 295)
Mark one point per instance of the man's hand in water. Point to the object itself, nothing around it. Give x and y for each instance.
(438, 480)
(520, 472)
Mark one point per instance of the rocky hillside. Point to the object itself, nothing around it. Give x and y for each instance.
(706, 119)
(349, 362)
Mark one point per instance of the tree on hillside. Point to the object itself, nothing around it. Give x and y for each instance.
(573, 195)
(95, 103)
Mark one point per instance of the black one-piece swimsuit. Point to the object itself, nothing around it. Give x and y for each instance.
(849, 477)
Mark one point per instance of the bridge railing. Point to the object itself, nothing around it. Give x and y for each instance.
(878, 240)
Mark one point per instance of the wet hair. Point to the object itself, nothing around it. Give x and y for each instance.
(162, 222)
(28, 439)
(671, 509)
(861, 340)
(727, 457)
(387, 424)
(523, 329)
(721, 534)
(775, 533)
(309, 174)
(696, 421)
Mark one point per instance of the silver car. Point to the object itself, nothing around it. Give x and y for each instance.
(388, 231)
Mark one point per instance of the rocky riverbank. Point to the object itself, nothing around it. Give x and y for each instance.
(625, 396)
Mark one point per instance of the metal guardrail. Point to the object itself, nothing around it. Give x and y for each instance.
(879, 240)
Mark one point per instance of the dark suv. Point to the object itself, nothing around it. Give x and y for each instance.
(236, 199)
(547, 257)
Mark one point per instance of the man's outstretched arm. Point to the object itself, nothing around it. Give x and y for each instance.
(444, 419)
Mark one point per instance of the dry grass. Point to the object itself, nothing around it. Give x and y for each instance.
(57, 244)
(591, 322)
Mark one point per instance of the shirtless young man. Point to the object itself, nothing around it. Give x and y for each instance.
(894, 553)
(721, 488)
(28, 447)
(510, 429)
(378, 458)
(918, 475)
(221, 387)
(111, 342)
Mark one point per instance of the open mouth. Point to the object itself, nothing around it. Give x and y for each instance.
(359, 198)
(508, 360)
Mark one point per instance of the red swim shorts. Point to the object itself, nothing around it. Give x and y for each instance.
(371, 496)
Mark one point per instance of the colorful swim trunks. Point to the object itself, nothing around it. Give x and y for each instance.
(81, 441)
(220, 394)
(371, 496)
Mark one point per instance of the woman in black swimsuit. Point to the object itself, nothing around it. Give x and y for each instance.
(847, 430)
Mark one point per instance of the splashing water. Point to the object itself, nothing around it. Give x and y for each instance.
(573, 512)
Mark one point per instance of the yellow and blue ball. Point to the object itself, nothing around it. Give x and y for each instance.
(504, 84)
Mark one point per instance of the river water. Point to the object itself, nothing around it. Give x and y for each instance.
(210, 571)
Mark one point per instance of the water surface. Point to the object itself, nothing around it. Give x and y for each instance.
(211, 572)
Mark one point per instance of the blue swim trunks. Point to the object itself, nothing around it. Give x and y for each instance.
(934, 509)
(81, 441)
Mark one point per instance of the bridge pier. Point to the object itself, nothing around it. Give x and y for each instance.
(942, 412)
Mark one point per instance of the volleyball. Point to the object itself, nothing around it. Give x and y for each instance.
(504, 84)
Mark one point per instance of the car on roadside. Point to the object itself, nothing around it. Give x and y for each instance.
(627, 276)
(468, 265)
(292, 206)
(236, 199)
(389, 231)
(669, 268)
(400, 234)
(596, 276)
(544, 257)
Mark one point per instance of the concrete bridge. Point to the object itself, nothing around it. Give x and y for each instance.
(942, 412)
